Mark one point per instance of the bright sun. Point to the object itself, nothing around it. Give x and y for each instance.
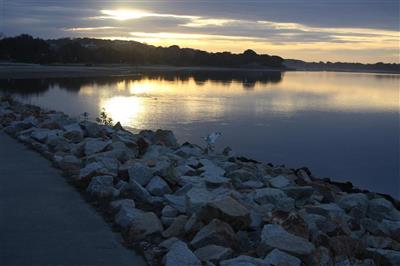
(125, 14)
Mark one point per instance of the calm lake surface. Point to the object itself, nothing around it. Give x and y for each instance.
(341, 125)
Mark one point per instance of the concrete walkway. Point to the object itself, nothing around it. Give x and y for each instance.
(44, 221)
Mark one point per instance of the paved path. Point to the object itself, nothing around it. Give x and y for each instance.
(44, 221)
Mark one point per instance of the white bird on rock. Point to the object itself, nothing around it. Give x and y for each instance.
(211, 139)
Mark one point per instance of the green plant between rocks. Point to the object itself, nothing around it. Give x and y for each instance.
(104, 118)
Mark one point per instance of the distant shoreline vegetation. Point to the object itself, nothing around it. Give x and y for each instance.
(27, 49)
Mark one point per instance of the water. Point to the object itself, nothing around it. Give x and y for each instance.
(340, 125)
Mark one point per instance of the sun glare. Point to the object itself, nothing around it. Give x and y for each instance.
(125, 14)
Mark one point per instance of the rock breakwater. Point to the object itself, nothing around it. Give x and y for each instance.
(179, 205)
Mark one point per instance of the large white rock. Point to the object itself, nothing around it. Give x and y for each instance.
(274, 236)
(180, 255)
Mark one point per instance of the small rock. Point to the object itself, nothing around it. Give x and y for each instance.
(197, 197)
(176, 201)
(93, 146)
(177, 227)
(216, 232)
(299, 193)
(168, 242)
(213, 253)
(180, 255)
(244, 260)
(144, 224)
(92, 169)
(279, 182)
(393, 257)
(70, 164)
(274, 236)
(101, 186)
(73, 132)
(169, 211)
(226, 209)
(116, 205)
(382, 209)
(273, 196)
(139, 192)
(126, 215)
(277, 257)
(354, 200)
(165, 137)
(141, 173)
(158, 187)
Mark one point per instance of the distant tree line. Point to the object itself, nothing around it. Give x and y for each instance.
(25, 48)
(341, 66)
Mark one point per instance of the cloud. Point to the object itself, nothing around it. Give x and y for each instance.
(287, 30)
(91, 28)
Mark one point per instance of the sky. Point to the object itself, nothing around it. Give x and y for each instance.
(364, 31)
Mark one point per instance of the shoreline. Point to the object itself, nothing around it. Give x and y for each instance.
(30, 71)
(178, 204)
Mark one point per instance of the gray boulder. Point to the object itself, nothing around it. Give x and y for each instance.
(244, 260)
(126, 215)
(177, 227)
(216, 232)
(169, 211)
(274, 236)
(116, 205)
(277, 257)
(273, 196)
(165, 137)
(140, 173)
(226, 209)
(93, 146)
(102, 186)
(158, 187)
(138, 191)
(213, 253)
(176, 201)
(354, 200)
(144, 224)
(69, 164)
(198, 197)
(393, 257)
(299, 193)
(73, 132)
(91, 170)
(180, 255)
(381, 208)
(279, 182)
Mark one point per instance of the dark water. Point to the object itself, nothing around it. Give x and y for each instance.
(341, 125)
